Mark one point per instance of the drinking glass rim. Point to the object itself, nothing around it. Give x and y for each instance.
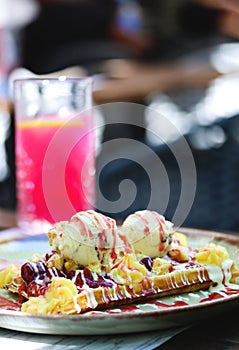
(61, 79)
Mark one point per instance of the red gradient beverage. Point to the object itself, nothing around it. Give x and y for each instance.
(44, 195)
(55, 162)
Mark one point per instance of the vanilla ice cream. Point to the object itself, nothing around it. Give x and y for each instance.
(148, 233)
(88, 238)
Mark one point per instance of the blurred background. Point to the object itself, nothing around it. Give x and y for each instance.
(177, 57)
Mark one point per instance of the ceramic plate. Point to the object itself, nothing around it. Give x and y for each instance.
(144, 316)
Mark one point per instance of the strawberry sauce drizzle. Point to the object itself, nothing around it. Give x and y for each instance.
(177, 303)
(6, 304)
(161, 222)
(145, 221)
(103, 235)
(113, 252)
(126, 244)
(83, 229)
(102, 239)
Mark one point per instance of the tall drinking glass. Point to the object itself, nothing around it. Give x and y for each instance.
(55, 150)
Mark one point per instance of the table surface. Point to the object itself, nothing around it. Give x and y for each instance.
(216, 334)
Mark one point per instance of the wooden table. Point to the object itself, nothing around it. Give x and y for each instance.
(132, 81)
(143, 341)
(7, 218)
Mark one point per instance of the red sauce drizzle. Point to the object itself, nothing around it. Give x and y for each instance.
(128, 308)
(230, 291)
(212, 296)
(95, 218)
(161, 222)
(145, 221)
(113, 253)
(177, 303)
(126, 244)
(6, 304)
(160, 304)
(103, 236)
(102, 239)
(83, 230)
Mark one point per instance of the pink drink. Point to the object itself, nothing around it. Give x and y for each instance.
(55, 169)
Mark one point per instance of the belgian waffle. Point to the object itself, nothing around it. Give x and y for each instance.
(173, 283)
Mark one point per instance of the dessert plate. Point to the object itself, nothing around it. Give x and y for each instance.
(170, 312)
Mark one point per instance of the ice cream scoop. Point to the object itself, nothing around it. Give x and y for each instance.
(148, 233)
(88, 238)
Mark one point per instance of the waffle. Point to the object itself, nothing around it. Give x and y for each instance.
(174, 283)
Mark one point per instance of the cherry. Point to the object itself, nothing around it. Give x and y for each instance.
(147, 262)
(27, 272)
